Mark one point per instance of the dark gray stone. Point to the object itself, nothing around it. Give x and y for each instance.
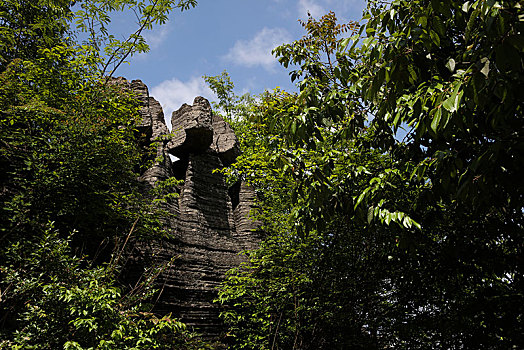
(150, 110)
(247, 226)
(211, 224)
(155, 129)
(192, 130)
(225, 142)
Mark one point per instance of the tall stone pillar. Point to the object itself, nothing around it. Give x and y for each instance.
(210, 224)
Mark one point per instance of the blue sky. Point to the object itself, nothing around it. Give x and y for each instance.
(217, 35)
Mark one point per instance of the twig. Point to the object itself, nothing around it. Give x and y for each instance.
(136, 35)
(124, 245)
(276, 330)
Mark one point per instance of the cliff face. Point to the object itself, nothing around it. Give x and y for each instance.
(210, 224)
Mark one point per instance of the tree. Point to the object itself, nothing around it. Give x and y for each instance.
(70, 157)
(446, 70)
(103, 50)
(412, 241)
(27, 27)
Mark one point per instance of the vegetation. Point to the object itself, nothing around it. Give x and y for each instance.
(395, 171)
(70, 157)
(389, 185)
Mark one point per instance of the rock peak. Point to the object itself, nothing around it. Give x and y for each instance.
(210, 223)
(192, 128)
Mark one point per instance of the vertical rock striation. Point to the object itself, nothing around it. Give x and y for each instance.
(211, 223)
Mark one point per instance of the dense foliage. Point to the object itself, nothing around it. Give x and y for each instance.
(70, 158)
(389, 185)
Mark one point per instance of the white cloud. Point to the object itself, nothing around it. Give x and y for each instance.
(157, 36)
(257, 51)
(155, 39)
(310, 6)
(173, 93)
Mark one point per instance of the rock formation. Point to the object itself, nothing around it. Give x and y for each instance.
(210, 224)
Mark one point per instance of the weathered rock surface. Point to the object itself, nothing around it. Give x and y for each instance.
(225, 142)
(243, 199)
(211, 223)
(192, 128)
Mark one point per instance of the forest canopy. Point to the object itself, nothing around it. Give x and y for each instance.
(70, 157)
(389, 184)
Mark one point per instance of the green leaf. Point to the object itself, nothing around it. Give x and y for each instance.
(434, 37)
(422, 21)
(451, 65)
(388, 218)
(406, 222)
(484, 64)
(471, 23)
(451, 104)
(412, 73)
(439, 26)
(362, 196)
(436, 120)
(370, 214)
(344, 43)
